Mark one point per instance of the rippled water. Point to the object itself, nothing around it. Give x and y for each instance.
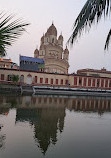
(55, 127)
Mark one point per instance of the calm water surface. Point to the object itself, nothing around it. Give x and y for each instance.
(55, 127)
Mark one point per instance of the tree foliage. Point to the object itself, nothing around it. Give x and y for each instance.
(91, 12)
(10, 30)
(15, 78)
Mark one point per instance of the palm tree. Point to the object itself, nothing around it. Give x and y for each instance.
(9, 31)
(91, 12)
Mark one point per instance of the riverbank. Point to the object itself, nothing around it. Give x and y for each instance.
(18, 89)
(10, 88)
(67, 91)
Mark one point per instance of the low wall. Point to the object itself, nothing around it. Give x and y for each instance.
(10, 88)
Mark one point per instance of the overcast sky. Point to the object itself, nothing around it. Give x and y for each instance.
(88, 52)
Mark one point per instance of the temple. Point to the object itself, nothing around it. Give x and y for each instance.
(52, 52)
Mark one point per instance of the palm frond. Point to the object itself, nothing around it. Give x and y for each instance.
(90, 13)
(10, 31)
(108, 40)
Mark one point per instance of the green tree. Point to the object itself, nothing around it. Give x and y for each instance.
(10, 30)
(15, 78)
(91, 12)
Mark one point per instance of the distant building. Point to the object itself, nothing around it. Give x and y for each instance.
(7, 63)
(94, 72)
(31, 64)
(52, 52)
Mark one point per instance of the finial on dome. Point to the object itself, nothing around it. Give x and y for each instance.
(66, 49)
(52, 22)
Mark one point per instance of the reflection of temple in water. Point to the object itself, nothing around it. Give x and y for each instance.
(47, 113)
(48, 119)
(47, 122)
(99, 105)
(50, 123)
(94, 104)
(85, 104)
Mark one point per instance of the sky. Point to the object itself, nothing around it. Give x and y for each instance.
(87, 52)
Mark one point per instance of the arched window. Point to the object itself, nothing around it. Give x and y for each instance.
(35, 79)
(22, 78)
(46, 80)
(62, 81)
(52, 40)
(56, 81)
(41, 80)
(42, 52)
(2, 76)
(29, 75)
(51, 80)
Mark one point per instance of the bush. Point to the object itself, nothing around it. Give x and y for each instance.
(15, 78)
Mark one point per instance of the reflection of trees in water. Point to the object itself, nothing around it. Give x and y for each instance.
(4, 110)
(10, 101)
(2, 138)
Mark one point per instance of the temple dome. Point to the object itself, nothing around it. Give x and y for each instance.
(36, 51)
(42, 39)
(60, 37)
(66, 50)
(42, 46)
(52, 30)
(46, 34)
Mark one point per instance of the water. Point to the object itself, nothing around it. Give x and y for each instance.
(55, 127)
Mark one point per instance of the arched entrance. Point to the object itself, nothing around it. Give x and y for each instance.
(29, 79)
(22, 78)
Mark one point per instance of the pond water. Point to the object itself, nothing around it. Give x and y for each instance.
(55, 127)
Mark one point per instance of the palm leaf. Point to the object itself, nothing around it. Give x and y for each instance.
(9, 31)
(91, 12)
(108, 40)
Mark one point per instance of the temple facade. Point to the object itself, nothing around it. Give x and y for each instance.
(52, 52)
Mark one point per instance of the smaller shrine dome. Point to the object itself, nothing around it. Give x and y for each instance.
(42, 39)
(36, 51)
(42, 46)
(66, 50)
(52, 30)
(60, 37)
(46, 34)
